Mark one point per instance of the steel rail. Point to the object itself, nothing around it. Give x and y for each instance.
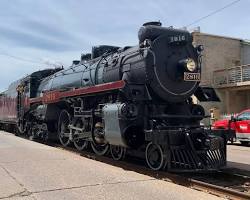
(218, 190)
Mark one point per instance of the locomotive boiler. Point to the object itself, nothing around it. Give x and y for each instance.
(127, 99)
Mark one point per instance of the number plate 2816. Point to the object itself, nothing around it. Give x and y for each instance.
(192, 76)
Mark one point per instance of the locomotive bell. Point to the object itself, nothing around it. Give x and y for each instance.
(200, 48)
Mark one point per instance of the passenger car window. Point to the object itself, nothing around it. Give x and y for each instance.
(244, 116)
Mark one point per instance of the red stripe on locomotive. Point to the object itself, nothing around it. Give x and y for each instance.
(55, 96)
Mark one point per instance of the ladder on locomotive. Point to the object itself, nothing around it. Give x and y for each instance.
(20, 104)
(20, 110)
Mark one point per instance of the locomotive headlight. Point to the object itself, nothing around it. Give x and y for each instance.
(190, 65)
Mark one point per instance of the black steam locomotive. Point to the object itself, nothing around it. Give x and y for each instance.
(130, 99)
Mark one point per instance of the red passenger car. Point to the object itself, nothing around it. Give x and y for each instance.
(8, 104)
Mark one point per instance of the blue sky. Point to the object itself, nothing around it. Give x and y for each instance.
(37, 34)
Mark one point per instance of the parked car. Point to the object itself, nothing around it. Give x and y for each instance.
(240, 123)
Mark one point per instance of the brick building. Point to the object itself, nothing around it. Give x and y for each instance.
(226, 67)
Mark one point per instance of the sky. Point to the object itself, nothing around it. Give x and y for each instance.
(39, 34)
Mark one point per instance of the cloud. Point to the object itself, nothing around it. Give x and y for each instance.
(47, 29)
(22, 38)
(45, 32)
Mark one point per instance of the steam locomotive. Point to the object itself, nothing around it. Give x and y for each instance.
(121, 100)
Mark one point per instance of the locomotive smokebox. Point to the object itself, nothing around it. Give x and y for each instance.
(172, 68)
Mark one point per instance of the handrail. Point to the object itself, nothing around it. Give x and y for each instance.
(217, 70)
(231, 76)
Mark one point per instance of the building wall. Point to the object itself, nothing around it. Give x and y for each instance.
(237, 99)
(219, 53)
(245, 53)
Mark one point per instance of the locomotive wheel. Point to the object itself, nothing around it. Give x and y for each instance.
(154, 156)
(21, 127)
(63, 128)
(117, 152)
(100, 149)
(79, 143)
(45, 132)
(99, 146)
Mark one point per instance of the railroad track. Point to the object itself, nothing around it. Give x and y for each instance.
(223, 184)
(234, 186)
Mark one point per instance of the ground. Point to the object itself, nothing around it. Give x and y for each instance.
(238, 156)
(31, 170)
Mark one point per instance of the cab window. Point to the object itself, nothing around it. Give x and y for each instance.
(244, 116)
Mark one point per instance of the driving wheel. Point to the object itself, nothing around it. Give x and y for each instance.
(63, 128)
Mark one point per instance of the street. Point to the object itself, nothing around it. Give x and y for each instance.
(238, 157)
(31, 170)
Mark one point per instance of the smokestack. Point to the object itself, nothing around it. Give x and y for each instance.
(75, 62)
